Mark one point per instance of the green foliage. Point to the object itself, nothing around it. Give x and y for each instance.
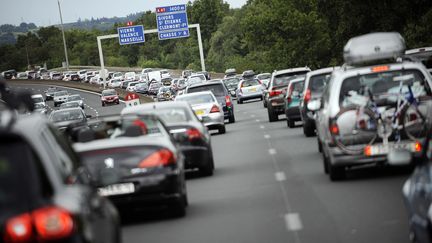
(263, 35)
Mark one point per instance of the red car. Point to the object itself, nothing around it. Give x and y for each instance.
(109, 96)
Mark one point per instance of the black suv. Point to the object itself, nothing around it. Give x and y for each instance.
(45, 192)
(221, 93)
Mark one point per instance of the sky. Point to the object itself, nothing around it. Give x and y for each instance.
(45, 12)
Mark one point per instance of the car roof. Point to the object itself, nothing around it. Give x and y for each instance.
(291, 70)
(68, 109)
(322, 71)
(197, 94)
(208, 82)
(154, 106)
(37, 96)
(297, 80)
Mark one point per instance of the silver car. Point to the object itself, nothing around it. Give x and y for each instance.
(381, 83)
(207, 109)
(249, 89)
(77, 98)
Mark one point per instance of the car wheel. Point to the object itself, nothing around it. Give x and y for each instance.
(103, 103)
(325, 163)
(208, 169)
(336, 173)
(290, 123)
(319, 145)
(118, 102)
(180, 205)
(271, 115)
(231, 119)
(222, 130)
(308, 128)
(240, 100)
(264, 103)
(262, 98)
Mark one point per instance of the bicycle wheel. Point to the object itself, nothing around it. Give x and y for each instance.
(415, 119)
(353, 129)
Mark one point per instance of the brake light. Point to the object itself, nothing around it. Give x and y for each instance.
(417, 147)
(52, 223)
(193, 134)
(275, 93)
(368, 150)
(380, 69)
(161, 157)
(334, 129)
(45, 224)
(228, 100)
(19, 229)
(307, 96)
(214, 109)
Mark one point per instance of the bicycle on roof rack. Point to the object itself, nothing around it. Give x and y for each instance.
(367, 119)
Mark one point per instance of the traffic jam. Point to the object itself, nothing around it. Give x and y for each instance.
(78, 162)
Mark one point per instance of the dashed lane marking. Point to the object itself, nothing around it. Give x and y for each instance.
(257, 120)
(266, 136)
(280, 176)
(293, 222)
(272, 151)
(262, 127)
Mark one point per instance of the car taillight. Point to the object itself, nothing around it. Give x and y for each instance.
(19, 229)
(289, 99)
(193, 134)
(45, 224)
(52, 223)
(161, 157)
(334, 129)
(214, 109)
(275, 93)
(307, 96)
(228, 100)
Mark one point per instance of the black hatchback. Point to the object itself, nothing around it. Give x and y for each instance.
(45, 192)
(221, 93)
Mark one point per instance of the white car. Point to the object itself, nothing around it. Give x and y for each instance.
(129, 76)
(60, 97)
(116, 83)
(82, 74)
(249, 89)
(131, 86)
(38, 99)
(22, 76)
(165, 74)
(207, 109)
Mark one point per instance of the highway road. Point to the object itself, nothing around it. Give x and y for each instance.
(269, 186)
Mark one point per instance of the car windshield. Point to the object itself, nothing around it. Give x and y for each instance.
(141, 85)
(38, 99)
(173, 115)
(116, 75)
(197, 99)
(108, 92)
(384, 86)
(164, 89)
(249, 83)
(67, 115)
(61, 93)
(317, 83)
(155, 86)
(74, 97)
(283, 80)
(217, 89)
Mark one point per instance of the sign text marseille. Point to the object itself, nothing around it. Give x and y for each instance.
(172, 22)
(131, 34)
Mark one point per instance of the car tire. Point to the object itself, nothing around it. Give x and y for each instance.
(222, 130)
(319, 145)
(290, 122)
(231, 118)
(264, 103)
(271, 115)
(262, 98)
(308, 128)
(325, 164)
(180, 205)
(240, 101)
(103, 103)
(336, 173)
(208, 169)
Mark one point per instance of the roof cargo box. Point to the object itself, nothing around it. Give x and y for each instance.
(374, 47)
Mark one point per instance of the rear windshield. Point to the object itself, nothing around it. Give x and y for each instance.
(38, 99)
(69, 105)
(217, 89)
(21, 177)
(197, 99)
(61, 93)
(317, 83)
(384, 86)
(74, 97)
(252, 82)
(69, 115)
(173, 115)
(284, 79)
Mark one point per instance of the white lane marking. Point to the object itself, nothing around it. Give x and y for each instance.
(266, 136)
(272, 151)
(262, 127)
(252, 115)
(280, 176)
(293, 222)
(257, 120)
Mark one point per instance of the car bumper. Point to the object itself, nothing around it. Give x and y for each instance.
(195, 156)
(150, 191)
(111, 101)
(249, 96)
(293, 113)
(212, 121)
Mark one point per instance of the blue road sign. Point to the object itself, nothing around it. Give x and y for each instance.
(172, 22)
(131, 34)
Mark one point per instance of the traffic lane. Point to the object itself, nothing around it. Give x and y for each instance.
(367, 207)
(92, 103)
(241, 202)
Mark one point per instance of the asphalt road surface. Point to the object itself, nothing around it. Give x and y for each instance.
(269, 186)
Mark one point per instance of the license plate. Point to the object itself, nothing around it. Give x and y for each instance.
(199, 112)
(381, 149)
(117, 189)
(252, 90)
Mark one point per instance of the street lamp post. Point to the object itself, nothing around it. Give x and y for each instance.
(64, 39)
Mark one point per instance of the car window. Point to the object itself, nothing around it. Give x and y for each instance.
(197, 99)
(173, 115)
(284, 79)
(216, 89)
(298, 86)
(251, 82)
(317, 83)
(383, 85)
(22, 177)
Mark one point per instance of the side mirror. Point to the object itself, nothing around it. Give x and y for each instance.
(314, 105)
(399, 157)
